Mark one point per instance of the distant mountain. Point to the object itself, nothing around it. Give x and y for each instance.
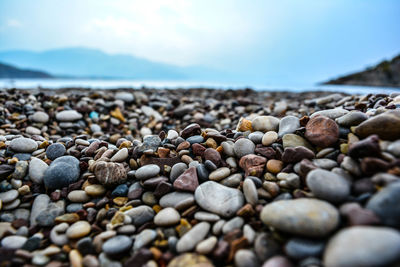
(386, 73)
(8, 71)
(92, 63)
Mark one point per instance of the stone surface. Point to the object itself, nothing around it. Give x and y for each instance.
(265, 123)
(219, 199)
(37, 168)
(167, 216)
(117, 245)
(62, 172)
(187, 181)
(110, 173)
(322, 131)
(78, 229)
(307, 217)
(386, 126)
(243, 147)
(363, 246)
(328, 185)
(68, 115)
(23, 145)
(55, 150)
(147, 171)
(194, 236)
(288, 124)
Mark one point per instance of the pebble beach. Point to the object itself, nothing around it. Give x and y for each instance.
(199, 177)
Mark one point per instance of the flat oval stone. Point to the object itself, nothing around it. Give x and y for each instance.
(322, 131)
(78, 230)
(363, 246)
(219, 199)
(120, 156)
(9, 196)
(288, 124)
(147, 171)
(37, 168)
(177, 170)
(117, 244)
(269, 138)
(13, 241)
(55, 150)
(23, 145)
(110, 173)
(177, 200)
(243, 147)
(300, 248)
(331, 113)
(385, 125)
(68, 115)
(140, 214)
(250, 192)
(39, 116)
(352, 118)
(219, 174)
(194, 236)
(385, 204)
(167, 216)
(56, 176)
(265, 123)
(328, 185)
(307, 217)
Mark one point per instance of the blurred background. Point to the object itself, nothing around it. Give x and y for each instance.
(231, 43)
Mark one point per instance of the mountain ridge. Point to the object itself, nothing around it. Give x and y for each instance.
(9, 71)
(385, 73)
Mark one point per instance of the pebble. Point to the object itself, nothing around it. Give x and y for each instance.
(177, 170)
(322, 131)
(352, 118)
(9, 196)
(194, 236)
(331, 113)
(23, 145)
(207, 245)
(300, 248)
(328, 185)
(166, 217)
(78, 229)
(40, 117)
(219, 174)
(13, 242)
(68, 115)
(55, 177)
(219, 199)
(40, 204)
(140, 214)
(265, 123)
(288, 124)
(117, 245)
(348, 247)
(307, 217)
(120, 156)
(177, 200)
(37, 168)
(147, 171)
(250, 192)
(95, 190)
(269, 138)
(385, 125)
(55, 150)
(110, 173)
(385, 204)
(243, 147)
(246, 258)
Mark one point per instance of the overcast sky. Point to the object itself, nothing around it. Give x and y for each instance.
(294, 41)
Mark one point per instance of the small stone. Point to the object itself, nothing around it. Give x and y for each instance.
(385, 125)
(288, 124)
(55, 150)
(177, 170)
(37, 168)
(79, 196)
(274, 166)
(250, 192)
(328, 185)
(110, 173)
(363, 246)
(331, 113)
(265, 123)
(300, 248)
(23, 145)
(120, 156)
(322, 131)
(95, 190)
(246, 258)
(307, 217)
(140, 214)
(364, 148)
(219, 174)
(243, 125)
(243, 147)
(385, 204)
(147, 171)
(166, 217)
(39, 116)
(352, 118)
(207, 245)
(78, 229)
(269, 138)
(55, 177)
(40, 204)
(125, 96)
(144, 238)
(194, 236)
(117, 245)
(187, 181)
(9, 196)
(212, 155)
(293, 140)
(296, 154)
(219, 199)
(13, 242)
(68, 115)
(190, 259)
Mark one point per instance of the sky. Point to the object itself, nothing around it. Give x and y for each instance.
(273, 41)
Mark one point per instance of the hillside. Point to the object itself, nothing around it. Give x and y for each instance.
(8, 71)
(386, 73)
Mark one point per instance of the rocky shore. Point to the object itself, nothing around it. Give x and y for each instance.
(199, 178)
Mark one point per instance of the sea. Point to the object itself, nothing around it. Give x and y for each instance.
(137, 84)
